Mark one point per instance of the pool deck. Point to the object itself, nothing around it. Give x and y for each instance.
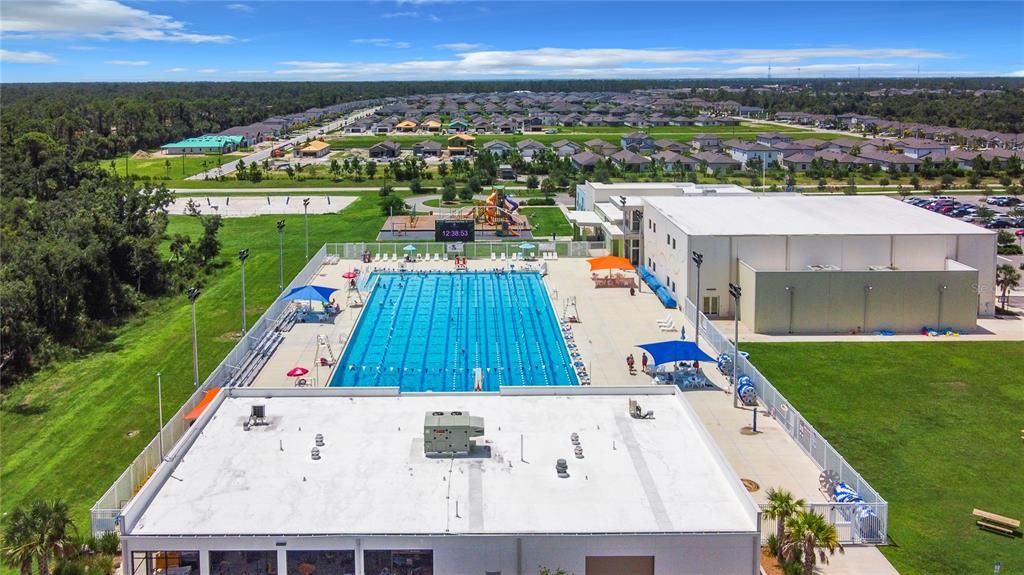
(611, 323)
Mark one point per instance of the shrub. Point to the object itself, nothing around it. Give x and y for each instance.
(540, 202)
(108, 543)
(1009, 250)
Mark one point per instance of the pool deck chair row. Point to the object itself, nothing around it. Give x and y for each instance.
(997, 523)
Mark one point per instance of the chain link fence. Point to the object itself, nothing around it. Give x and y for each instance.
(476, 250)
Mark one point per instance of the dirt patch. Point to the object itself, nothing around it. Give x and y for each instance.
(141, 155)
(230, 336)
(132, 433)
(958, 385)
(769, 564)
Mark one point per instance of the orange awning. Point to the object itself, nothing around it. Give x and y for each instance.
(609, 263)
(198, 409)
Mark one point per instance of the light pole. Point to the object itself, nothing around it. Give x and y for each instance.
(867, 292)
(942, 292)
(280, 255)
(305, 218)
(160, 412)
(735, 292)
(193, 294)
(790, 290)
(242, 256)
(698, 259)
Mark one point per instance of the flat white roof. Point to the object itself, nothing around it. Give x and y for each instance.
(585, 218)
(613, 213)
(671, 188)
(659, 475)
(796, 215)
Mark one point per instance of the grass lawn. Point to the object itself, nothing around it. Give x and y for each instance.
(547, 221)
(67, 430)
(158, 167)
(933, 426)
(456, 204)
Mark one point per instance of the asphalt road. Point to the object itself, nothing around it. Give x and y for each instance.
(261, 155)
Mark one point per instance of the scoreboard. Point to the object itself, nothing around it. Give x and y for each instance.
(454, 231)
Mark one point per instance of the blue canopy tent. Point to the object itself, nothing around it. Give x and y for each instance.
(310, 293)
(674, 350)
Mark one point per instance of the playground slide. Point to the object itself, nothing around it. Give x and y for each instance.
(511, 204)
(490, 211)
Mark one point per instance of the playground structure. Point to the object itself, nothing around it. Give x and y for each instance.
(498, 211)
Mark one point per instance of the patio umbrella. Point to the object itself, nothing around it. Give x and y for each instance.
(310, 293)
(610, 263)
(674, 350)
(409, 248)
(526, 246)
(350, 275)
(297, 372)
(1019, 232)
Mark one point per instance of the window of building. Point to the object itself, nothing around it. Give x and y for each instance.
(152, 562)
(668, 239)
(399, 562)
(655, 227)
(655, 266)
(321, 562)
(673, 243)
(243, 562)
(649, 223)
(711, 305)
(673, 286)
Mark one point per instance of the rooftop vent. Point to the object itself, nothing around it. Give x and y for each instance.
(319, 440)
(315, 453)
(450, 432)
(257, 416)
(562, 468)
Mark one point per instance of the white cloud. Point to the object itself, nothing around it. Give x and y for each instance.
(459, 46)
(245, 8)
(1017, 74)
(127, 62)
(103, 19)
(26, 57)
(381, 42)
(177, 70)
(471, 62)
(248, 72)
(407, 14)
(84, 48)
(208, 71)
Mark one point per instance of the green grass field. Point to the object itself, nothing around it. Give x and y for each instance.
(933, 426)
(547, 221)
(159, 167)
(70, 430)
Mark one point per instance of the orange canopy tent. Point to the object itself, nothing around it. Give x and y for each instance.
(609, 263)
(201, 406)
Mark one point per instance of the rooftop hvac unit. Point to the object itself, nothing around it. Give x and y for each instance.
(450, 432)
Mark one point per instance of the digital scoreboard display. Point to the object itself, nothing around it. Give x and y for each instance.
(454, 231)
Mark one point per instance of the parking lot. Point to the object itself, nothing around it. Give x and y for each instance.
(992, 212)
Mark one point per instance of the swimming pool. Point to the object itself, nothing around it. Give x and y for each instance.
(431, 331)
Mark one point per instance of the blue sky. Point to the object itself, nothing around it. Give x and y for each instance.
(111, 40)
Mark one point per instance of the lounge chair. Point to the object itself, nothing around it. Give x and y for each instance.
(445, 257)
(502, 257)
(668, 319)
(670, 326)
(494, 256)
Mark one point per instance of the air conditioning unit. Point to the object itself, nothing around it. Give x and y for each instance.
(450, 432)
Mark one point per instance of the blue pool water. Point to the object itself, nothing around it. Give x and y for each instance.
(428, 331)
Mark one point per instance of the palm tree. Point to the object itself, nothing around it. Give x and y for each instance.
(16, 547)
(782, 506)
(813, 537)
(53, 531)
(1007, 278)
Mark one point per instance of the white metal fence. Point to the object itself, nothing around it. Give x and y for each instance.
(479, 249)
(104, 513)
(808, 438)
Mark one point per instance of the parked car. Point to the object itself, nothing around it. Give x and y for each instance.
(998, 223)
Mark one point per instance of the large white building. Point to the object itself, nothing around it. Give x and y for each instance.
(821, 264)
(647, 496)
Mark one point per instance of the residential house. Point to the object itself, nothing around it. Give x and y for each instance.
(673, 162)
(383, 128)
(772, 138)
(888, 161)
(680, 121)
(843, 145)
(744, 152)
(529, 148)
(458, 126)
(706, 142)
(671, 145)
(750, 111)
(919, 148)
(564, 148)
(432, 125)
(841, 159)
(811, 143)
(585, 161)
(461, 145)
(498, 148)
(533, 124)
(703, 120)
(427, 149)
(631, 161)
(314, 149)
(407, 125)
(637, 142)
(385, 149)
(800, 161)
(715, 161)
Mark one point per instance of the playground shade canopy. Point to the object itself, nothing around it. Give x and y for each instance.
(310, 293)
(674, 350)
(609, 263)
(201, 406)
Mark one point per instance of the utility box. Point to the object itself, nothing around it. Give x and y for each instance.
(450, 432)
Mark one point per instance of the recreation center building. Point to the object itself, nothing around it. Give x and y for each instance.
(820, 264)
(336, 481)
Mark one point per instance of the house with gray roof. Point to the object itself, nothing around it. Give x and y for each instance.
(585, 161)
(637, 142)
(706, 142)
(673, 162)
(631, 161)
(529, 148)
(386, 149)
(715, 161)
(563, 148)
(497, 148)
(744, 152)
(427, 149)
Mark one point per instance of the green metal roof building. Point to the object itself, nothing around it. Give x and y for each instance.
(204, 145)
